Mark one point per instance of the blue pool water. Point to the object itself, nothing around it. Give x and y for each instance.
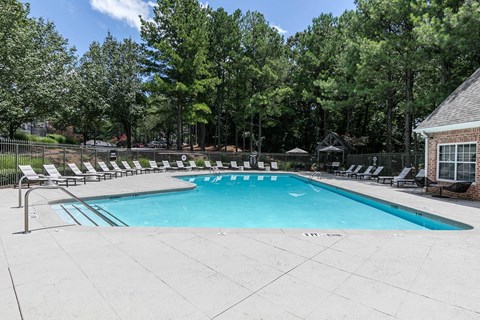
(258, 201)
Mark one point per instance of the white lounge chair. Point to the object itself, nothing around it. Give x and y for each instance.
(181, 166)
(261, 165)
(274, 165)
(155, 167)
(116, 168)
(31, 176)
(194, 165)
(105, 168)
(136, 170)
(139, 167)
(167, 166)
(234, 166)
(53, 172)
(220, 165)
(91, 169)
(246, 165)
(79, 173)
(208, 165)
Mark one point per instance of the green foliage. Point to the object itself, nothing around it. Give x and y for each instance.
(36, 64)
(371, 75)
(177, 54)
(20, 135)
(57, 137)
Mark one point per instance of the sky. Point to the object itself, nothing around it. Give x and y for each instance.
(84, 21)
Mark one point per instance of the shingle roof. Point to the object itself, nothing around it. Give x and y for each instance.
(462, 106)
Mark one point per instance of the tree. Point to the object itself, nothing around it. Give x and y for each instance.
(267, 67)
(223, 52)
(177, 54)
(126, 101)
(35, 66)
(87, 92)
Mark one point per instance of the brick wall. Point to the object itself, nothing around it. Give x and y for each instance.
(457, 136)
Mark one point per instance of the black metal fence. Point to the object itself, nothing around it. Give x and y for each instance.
(15, 152)
(393, 163)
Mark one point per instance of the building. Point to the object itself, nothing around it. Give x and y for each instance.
(452, 137)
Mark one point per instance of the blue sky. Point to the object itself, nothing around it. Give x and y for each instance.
(84, 21)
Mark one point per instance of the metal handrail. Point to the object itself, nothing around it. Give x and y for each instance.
(106, 219)
(313, 175)
(20, 187)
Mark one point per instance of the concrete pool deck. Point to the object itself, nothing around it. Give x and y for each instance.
(61, 271)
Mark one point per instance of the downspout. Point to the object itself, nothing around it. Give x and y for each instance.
(425, 135)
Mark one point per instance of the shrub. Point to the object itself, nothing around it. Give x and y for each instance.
(285, 166)
(45, 140)
(144, 162)
(57, 137)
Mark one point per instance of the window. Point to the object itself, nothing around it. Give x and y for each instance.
(457, 162)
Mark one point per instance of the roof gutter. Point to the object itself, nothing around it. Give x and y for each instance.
(451, 127)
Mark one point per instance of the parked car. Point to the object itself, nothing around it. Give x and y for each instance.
(157, 144)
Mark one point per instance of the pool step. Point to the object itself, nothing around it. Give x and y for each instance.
(81, 215)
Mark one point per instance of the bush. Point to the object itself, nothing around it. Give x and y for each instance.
(20, 135)
(200, 162)
(285, 166)
(144, 162)
(45, 140)
(57, 137)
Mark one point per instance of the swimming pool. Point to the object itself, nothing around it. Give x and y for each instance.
(257, 201)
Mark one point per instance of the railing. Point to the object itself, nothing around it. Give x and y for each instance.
(26, 215)
(16, 152)
(314, 175)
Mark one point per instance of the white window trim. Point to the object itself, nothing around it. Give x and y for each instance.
(449, 144)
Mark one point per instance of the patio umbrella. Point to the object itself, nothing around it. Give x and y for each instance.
(333, 149)
(330, 149)
(297, 150)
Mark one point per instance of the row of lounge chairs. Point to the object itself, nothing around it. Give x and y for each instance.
(56, 177)
(354, 172)
(419, 180)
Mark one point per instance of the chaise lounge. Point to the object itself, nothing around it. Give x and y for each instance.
(53, 173)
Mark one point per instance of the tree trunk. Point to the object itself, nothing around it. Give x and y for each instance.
(202, 136)
(190, 135)
(325, 129)
(85, 137)
(251, 133)
(128, 132)
(11, 131)
(236, 137)
(259, 133)
(179, 125)
(388, 114)
(408, 120)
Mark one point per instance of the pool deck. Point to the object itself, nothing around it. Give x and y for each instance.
(63, 271)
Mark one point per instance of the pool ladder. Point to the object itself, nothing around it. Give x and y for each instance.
(95, 211)
(314, 175)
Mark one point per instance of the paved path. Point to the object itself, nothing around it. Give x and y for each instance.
(73, 272)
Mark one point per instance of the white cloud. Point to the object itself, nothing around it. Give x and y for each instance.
(279, 29)
(125, 10)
